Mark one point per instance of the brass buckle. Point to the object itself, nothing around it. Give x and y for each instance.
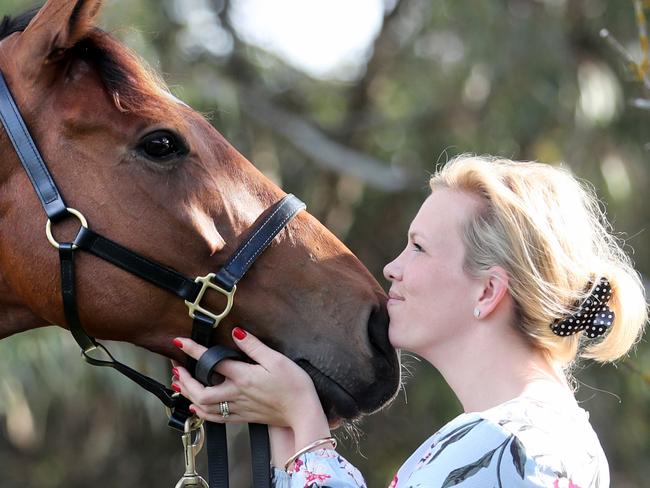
(205, 284)
(48, 227)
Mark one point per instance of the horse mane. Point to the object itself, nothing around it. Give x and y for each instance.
(134, 87)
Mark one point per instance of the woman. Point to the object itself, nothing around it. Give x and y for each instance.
(509, 276)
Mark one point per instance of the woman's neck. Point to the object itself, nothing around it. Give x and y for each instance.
(489, 369)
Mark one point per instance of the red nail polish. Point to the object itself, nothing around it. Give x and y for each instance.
(178, 343)
(175, 372)
(239, 334)
(176, 388)
(192, 409)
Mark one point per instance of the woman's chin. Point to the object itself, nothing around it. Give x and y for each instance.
(394, 336)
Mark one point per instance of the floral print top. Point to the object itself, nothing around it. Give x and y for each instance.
(525, 442)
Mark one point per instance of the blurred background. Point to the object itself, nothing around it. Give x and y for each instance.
(351, 104)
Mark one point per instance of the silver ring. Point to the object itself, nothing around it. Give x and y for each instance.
(224, 409)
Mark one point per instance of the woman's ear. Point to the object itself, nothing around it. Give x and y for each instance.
(493, 292)
(57, 27)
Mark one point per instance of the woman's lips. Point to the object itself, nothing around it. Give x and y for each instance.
(394, 297)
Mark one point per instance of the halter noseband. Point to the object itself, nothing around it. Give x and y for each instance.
(191, 291)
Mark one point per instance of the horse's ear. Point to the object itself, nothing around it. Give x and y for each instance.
(57, 26)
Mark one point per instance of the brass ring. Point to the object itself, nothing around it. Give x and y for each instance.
(48, 227)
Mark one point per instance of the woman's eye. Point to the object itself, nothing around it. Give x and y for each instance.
(161, 146)
(417, 247)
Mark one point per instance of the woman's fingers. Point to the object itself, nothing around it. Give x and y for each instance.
(227, 367)
(204, 396)
(250, 345)
(283, 373)
(212, 416)
(263, 393)
(257, 350)
(189, 347)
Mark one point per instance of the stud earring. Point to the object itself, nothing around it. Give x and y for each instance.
(477, 313)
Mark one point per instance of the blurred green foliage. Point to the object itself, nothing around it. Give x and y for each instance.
(519, 78)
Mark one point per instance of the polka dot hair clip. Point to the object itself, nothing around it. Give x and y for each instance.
(593, 316)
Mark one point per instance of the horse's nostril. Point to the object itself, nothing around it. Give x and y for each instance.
(378, 330)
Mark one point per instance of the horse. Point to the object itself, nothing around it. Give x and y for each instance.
(159, 179)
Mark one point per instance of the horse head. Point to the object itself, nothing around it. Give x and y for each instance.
(153, 175)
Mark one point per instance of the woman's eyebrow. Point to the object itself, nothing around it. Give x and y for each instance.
(414, 233)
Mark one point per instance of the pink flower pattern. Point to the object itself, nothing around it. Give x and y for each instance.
(564, 483)
(315, 469)
(451, 456)
(310, 477)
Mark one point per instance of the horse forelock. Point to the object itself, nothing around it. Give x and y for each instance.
(133, 86)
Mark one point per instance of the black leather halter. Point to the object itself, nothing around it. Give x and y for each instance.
(192, 291)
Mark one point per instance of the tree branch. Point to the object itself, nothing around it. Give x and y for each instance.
(321, 149)
(303, 135)
(618, 47)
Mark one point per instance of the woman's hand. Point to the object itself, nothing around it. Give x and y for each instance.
(275, 391)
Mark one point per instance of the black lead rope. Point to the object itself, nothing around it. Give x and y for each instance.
(190, 290)
(216, 433)
(217, 443)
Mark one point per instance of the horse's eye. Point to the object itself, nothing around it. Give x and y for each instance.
(162, 145)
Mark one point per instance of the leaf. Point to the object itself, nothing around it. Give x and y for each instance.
(461, 474)
(454, 436)
(518, 456)
(463, 427)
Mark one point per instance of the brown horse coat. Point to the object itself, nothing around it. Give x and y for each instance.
(94, 112)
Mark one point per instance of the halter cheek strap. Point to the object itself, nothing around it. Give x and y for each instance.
(29, 156)
(190, 290)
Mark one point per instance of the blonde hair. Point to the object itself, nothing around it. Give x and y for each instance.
(548, 231)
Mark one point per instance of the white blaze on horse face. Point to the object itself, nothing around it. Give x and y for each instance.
(207, 230)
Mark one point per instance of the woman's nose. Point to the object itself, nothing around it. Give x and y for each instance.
(392, 270)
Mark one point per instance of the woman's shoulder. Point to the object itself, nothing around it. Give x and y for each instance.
(545, 425)
(517, 443)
